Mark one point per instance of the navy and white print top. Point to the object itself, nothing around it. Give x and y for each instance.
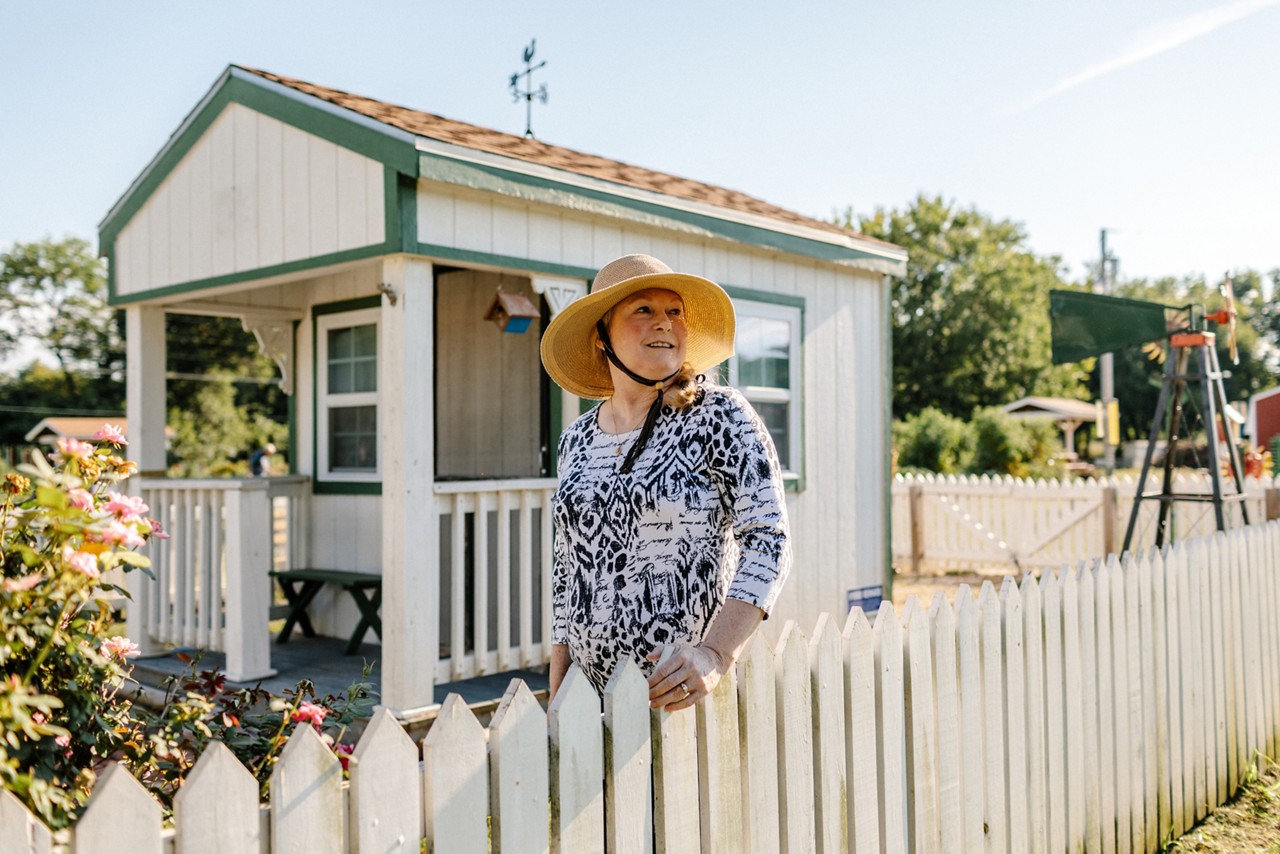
(646, 558)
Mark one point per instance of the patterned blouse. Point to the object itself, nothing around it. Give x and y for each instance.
(646, 558)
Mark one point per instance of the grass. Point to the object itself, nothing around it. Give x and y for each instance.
(1248, 822)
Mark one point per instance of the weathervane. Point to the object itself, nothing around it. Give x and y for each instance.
(528, 93)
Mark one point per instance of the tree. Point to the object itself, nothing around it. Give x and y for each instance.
(54, 292)
(971, 315)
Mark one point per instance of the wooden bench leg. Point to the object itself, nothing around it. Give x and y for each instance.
(369, 618)
(298, 603)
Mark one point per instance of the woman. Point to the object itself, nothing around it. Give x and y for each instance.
(670, 515)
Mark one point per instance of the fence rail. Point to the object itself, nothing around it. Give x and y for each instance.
(1101, 708)
(943, 523)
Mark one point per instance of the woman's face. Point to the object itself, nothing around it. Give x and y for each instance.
(648, 332)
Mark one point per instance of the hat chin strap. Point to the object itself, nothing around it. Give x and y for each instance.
(654, 410)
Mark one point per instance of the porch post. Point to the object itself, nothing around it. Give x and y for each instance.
(145, 407)
(247, 635)
(410, 526)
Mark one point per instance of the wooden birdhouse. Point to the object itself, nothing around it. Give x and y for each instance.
(512, 312)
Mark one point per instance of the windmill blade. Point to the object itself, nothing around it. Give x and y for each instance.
(1228, 291)
(1084, 324)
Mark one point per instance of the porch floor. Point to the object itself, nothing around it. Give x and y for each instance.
(320, 659)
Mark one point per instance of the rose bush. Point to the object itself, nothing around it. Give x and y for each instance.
(66, 707)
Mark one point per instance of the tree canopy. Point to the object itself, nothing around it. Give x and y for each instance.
(971, 315)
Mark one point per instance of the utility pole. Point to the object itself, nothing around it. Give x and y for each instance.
(1106, 364)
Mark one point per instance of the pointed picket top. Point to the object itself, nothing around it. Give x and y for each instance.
(966, 606)
(385, 793)
(987, 596)
(100, 828)
(519, 772)
(628, 760)
(1010, 593)
(455, 780)
(233, 828)
(942, 616)
(306, 796)
(20, 831)
(1030, 588)
(577, 765)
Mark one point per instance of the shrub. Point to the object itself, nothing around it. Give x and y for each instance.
(1007, 445)
(934, 441)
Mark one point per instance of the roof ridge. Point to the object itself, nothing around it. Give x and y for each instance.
(477, 137)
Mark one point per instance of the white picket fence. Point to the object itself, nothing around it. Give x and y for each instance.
(1097, 708)
(948, 522)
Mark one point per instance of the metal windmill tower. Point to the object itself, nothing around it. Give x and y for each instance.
(528, 93)
(1085, 324)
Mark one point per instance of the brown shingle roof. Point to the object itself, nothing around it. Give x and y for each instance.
(452, 131)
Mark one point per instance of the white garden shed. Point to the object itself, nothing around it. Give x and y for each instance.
(363, 242)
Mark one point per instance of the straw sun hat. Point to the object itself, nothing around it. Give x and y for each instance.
(569, 352)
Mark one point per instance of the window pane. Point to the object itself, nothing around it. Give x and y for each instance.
(764, 348)
(353, 438)
(353, 359)
(777, 419)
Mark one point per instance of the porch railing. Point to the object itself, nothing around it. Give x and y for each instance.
(495, 575)
(211, 587)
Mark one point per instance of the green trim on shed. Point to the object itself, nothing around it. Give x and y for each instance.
(795, 480)
(509, 262)
(334, 487)
(358, 254)
(265, 97)
(565, 195)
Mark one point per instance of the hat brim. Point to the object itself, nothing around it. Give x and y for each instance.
(572, 360)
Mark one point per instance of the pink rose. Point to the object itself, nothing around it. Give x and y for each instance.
(62, 740)
(344, 752)
(118, 533)
(25, 582)
(126, 507)
(119, 648)
(156, 531)
(310, 712)
(83, 562)
(110, 433)
(80, 499)
(74, 449)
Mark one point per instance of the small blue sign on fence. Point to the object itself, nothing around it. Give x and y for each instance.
(866, 598)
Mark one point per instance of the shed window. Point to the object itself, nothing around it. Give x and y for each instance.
(766, 368)
(347, 396)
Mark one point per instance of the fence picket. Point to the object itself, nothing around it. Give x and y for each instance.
(921, 734)
(1176, 696)
(887, 634)
(1197, 586)
(1106, 705)
(577, 766)
(385, 792)
(20, 831)
(720, 768)
(455, 780)
(757, 712)
(827, 696)
(972, 770)
(1143, 604)
(1088, 629)
(306, 797)
(234, 828)
(1073, 708)
(519, 787)
(1055, 724)
(1160, 668)
(676, 822)
(1034, 715)
(1192, 667)
(861, 734)
(1238, 671)
(942, 629)
(795, 740)
(100, 828)
(994, 733)
(628, 762)
(1016, 803)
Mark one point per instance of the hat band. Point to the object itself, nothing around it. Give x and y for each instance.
(654, 411)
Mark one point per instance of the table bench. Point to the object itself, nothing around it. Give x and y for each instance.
(300, 587)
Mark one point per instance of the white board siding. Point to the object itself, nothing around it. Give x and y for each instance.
(252, 192)
(838, 520)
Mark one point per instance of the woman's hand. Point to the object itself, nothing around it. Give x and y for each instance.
(685, 677)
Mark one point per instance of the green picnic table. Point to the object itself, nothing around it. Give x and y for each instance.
(300, 587)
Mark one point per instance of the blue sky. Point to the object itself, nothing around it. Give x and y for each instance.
(1159, 121)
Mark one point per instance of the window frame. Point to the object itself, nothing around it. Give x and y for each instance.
(770, 306)
(343, 317)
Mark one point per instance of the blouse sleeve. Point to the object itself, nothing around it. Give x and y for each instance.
(745, 464)
(559, 573)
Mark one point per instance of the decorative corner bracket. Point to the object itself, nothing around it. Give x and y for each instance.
(275, 339)
(558, 292)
